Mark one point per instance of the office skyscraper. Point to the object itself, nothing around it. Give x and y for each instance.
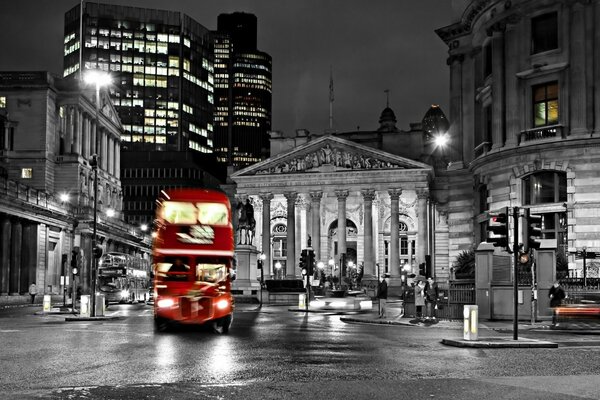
(161, 63)
(242, 92)
(162, 68)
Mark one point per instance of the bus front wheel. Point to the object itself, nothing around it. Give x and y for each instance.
(222, 325)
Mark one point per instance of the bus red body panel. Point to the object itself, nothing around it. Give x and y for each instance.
(193, 257)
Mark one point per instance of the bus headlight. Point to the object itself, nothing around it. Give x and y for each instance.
(164, 303)
(222, 304)
(124, 294)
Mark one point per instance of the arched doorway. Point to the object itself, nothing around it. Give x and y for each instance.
(351, 242)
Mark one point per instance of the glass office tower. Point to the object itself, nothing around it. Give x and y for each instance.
(242, 92)
(162, 68)
(161, 63)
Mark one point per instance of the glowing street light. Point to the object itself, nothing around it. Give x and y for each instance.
(144, 227)
(441, 140)
(64, 197)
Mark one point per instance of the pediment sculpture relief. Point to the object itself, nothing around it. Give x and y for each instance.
(328, 155)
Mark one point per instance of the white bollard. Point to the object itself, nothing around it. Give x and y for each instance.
(85, 308)
(471, 317)
(47, 302)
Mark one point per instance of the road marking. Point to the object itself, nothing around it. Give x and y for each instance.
(9, 330)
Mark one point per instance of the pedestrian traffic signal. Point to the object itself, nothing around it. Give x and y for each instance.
(498, 226)
(534, 230)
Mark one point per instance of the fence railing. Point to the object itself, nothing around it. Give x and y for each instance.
(453, 296)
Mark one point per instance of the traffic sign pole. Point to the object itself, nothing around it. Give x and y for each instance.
(516, 272)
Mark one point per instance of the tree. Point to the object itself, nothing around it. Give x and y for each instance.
(464, 265)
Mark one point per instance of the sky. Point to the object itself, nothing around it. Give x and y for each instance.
(369, 45)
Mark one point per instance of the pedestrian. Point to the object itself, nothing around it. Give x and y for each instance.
(32, 292)
(431, 298)
(382, 293)
(557, 295)
(419, 299)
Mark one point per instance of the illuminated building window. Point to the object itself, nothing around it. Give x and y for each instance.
(545, 104)
(26, 173)
(3, 102)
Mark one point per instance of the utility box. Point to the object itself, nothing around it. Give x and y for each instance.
(85, 307)
(471, 325)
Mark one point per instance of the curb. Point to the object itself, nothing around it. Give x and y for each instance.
(499, 343)
(105, 318)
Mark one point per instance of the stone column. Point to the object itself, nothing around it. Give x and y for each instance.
(15, 257)
(300, 240)
(68, 129)
(291, 234)
(77, 131)
(266, 231)
(422, 230)
(455, 62)
(498, 89)
(117, 160)
(341, 229)
(577, 73)
(394, 232)
(596, 72)
(368, 197)
(93, 138)
(315, 199)
(103, 150)
(5, 240)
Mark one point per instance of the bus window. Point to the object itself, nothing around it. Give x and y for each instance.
(211, 272)
(174, 270)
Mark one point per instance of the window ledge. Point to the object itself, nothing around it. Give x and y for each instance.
(542, 69)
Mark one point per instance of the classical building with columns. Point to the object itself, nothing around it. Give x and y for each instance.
(348, 195)
(50, 127)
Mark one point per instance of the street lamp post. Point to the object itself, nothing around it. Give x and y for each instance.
(99, 79)
(261, 262)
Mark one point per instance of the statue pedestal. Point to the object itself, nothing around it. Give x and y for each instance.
(247, 275)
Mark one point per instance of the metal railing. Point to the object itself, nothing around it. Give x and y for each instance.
(541, 133)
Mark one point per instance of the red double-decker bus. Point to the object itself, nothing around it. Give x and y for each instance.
(193, 259)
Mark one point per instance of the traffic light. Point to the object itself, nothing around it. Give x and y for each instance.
(304, 261)
(75, 262)
(498, 226)
(97, 251)
(311, 262)
(534, 230)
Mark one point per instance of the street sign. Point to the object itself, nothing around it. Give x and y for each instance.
(589, 255)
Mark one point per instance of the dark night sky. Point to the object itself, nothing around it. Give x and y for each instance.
(372, 45)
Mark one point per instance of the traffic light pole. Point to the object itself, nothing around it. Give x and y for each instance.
(516, 272)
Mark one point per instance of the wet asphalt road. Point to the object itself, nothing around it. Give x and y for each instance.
(273, 353)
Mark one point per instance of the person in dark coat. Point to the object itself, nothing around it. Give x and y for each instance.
(382, 293)
(431, 298)
(557, 295)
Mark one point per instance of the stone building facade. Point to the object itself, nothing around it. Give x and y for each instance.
(525, 119)
(50, 128)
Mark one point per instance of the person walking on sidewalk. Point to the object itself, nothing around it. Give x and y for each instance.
(32, 292)
(431, 297)
(382, 293)
(557, 295)
(419, 299)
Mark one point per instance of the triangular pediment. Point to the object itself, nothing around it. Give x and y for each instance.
(107, 108)
(330, 154)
